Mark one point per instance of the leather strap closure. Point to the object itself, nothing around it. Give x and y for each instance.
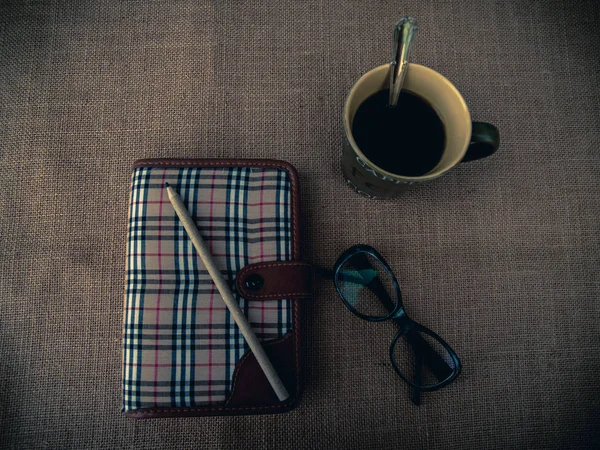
(275, 280)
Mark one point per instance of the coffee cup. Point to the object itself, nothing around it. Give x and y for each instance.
(464, 140)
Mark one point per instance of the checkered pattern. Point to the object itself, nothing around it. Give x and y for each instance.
(180, 343)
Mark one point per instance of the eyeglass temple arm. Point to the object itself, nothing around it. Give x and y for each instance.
(416, 392)
(324, 272)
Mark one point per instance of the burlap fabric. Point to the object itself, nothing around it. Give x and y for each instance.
(500, 257)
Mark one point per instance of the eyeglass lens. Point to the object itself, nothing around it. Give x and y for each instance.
(422, 359)
(366, 286)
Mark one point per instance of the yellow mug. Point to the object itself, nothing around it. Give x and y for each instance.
(464, 140)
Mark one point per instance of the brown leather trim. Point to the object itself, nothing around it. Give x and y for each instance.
(202, 411)
(282, 279)
(250, 385)
(296, 332)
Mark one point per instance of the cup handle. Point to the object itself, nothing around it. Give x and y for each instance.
(485, 140)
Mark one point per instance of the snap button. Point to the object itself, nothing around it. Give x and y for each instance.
(254, 282)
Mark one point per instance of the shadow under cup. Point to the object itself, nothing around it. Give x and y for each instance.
(373, 181)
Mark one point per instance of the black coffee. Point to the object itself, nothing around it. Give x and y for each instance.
(406, 140)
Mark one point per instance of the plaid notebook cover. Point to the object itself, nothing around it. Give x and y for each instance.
(180, 343)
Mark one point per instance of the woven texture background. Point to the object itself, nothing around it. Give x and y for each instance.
(500, 257)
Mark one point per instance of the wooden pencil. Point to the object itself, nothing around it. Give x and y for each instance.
(227, 295)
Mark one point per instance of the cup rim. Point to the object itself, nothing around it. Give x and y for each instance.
(430, 175)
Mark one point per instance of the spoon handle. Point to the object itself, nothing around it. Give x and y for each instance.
(404, 33)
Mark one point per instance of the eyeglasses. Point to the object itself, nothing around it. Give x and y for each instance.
(369, 289)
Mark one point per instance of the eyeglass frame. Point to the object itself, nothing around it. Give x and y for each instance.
(398, 315)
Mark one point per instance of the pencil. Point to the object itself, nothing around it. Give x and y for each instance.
(227, 295)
